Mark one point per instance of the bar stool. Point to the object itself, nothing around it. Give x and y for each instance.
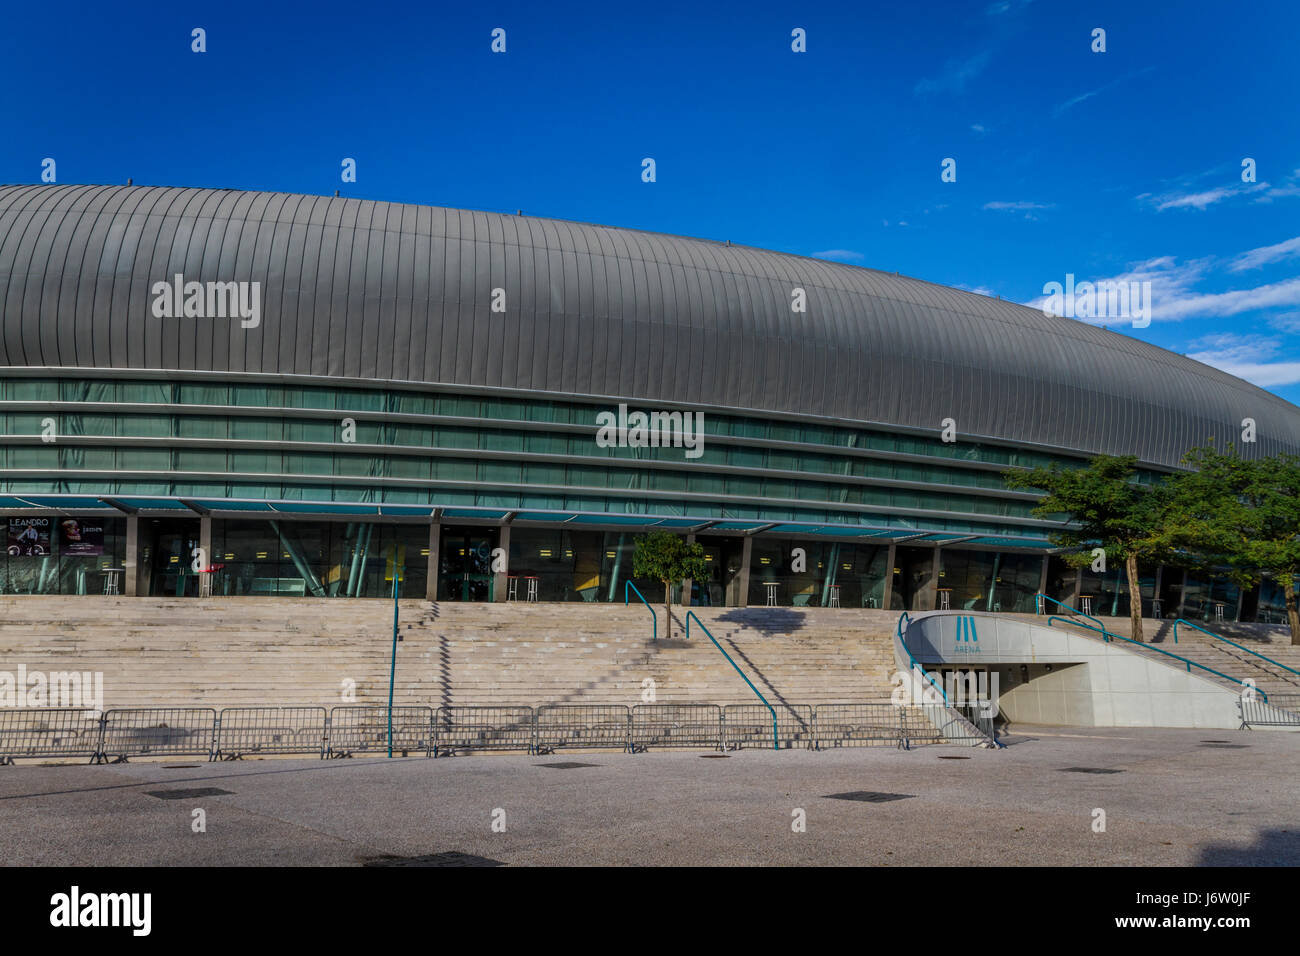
(111, 580)
(771, 593)
(532, 587)
(835, 596)
(945, 599)
(1155, 608)
(1085, 603)
(512, 587)
(1218, 610)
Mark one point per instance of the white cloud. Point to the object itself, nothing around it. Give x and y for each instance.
(840, 255)
(1264, 255)
(1174, 295)
(1019, 205)
(1247, 356)
(1062, 107)
(956, 74)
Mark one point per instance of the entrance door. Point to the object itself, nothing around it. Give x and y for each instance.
(722, 556)
(169, 557)
(465, 557)
(913, 571)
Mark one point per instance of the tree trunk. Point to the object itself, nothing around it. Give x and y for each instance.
(1134, 598)
(1292, 613)
(668, 610)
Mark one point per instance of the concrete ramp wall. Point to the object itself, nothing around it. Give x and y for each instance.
(1073, 679)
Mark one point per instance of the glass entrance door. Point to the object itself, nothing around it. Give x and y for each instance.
(465, 559)
(169, 558)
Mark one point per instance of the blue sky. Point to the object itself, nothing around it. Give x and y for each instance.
(1125, 163)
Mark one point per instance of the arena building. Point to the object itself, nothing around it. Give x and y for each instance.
(308, 395)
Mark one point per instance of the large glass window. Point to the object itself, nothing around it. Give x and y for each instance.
(61, 554)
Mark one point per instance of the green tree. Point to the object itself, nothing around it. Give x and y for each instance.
(1242, 518)
(1104, 507)
(667, 557)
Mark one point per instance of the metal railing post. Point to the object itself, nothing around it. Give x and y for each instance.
(776, 740)
(654, 618)
(1239, 647)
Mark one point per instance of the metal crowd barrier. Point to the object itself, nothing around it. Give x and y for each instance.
(678, 725)
(572, 726)
(1282, 710)
(345, 730)
(49, 732)
(461, 728)
(859, 725)
(750, 725)
(245, 731)
(158, 731)
(358, 728)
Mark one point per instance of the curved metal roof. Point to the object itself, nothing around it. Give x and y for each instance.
(376, 290)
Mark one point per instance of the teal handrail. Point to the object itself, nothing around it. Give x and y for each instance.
(776, 744)
(1233, 643)
(1107, 635)
(654, 618)
(915, 665)
(1040, 596)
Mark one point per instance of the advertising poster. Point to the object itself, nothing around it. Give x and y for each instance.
(29, 537)
(79, 536)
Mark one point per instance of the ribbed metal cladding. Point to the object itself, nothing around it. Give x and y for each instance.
(392, 292)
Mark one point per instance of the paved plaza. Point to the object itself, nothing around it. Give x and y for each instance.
(1180, 797)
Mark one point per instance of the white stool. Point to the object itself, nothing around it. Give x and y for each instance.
(835, 596)
(111, 580)
(771, 593)
(1218, 611)
(945, 599)
(512, 588)
(532, 589)
(1155, 608)
(1085, 604)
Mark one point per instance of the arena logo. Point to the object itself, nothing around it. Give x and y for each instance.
(208, 300)
(624, 429)
(78, 689)
(73, 909)
(1107, 299)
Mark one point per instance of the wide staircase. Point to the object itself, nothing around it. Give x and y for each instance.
(228, 652)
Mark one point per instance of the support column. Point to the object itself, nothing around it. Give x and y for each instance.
(435, 543)
(931, 596)
(1182, 596)
(499, 577)
(130, 567)
(742, 579)
(887, 598)
(1042, 579)
(1078, 587)
(205, 547)
(1155, 589)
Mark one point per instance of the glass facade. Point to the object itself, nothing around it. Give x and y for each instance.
(242, 444)
(1109, 591)
(589, 566)
(990, 580)
(290, 442)
(806, 572)
(318, 559)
